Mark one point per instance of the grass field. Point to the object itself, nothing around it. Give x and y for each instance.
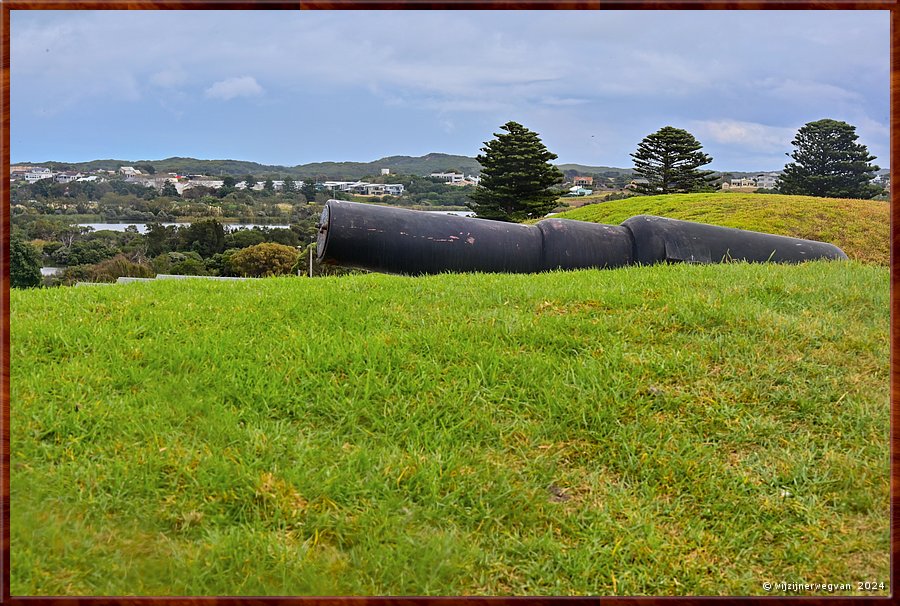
(860, 227)
(670, 430)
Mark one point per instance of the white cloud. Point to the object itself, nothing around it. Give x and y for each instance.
(563, 101)
(799, 90)
(230, 88)
(169, 78)
(749, 135)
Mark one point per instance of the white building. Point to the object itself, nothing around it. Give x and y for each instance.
(341, 185)
(36, 174)
(767, 180)
(129, 171)
(760, 181)
(67, 176)
(451, 178)
(210, 183)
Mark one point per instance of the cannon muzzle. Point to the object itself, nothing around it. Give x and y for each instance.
(400, 241)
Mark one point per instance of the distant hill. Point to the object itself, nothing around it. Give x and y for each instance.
(608, 171)
(422, 165)
(407, 165)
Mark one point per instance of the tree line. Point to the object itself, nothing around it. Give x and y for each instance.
(517, 179)
(202, 248)
(117, 200)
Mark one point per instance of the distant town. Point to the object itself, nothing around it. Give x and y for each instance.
(577, 185)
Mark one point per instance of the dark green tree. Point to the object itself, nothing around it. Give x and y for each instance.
(669, 160)
(205, 237)
(24, 264)
(288, 186)
(828, 162)
(516, 175)
(269, 185)
(242, 238)
(309, 190)
(229, 181)
(250, 182)
(169, 190)
(160, 238)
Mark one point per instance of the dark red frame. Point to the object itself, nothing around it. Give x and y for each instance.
(6, 6)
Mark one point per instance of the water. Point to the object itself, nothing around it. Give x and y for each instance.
(458, 213)
(51, 271)
(142, 227)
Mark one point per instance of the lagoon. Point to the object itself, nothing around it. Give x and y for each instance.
(142, 227)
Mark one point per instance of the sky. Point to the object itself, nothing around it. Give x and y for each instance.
(293, 87)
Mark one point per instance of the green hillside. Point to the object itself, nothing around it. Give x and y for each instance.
(406, 165)
(422, 165)
(860, 227)
(665, 430)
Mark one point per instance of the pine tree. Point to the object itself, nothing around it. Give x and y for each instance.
(669, 160)
(829, 163)
(289, 186)
(169, 189)
(309, 190)
(515, 176)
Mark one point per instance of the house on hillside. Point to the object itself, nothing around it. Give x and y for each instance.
(340, 185)
(767, 180)
(129, 171)
(634, 183)
(760, 181)
(583, 181)
(158, 182)
(68, 176)
(37, 174)
(450, 178)
(210, 183)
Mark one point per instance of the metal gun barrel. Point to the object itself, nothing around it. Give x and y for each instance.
(400, 241)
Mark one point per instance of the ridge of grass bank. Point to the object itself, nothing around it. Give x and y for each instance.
(665, 430)
(860, 227)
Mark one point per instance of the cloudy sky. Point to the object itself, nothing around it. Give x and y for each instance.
(281, 87)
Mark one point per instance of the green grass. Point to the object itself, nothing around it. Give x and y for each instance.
(667, 430)
(860, 227)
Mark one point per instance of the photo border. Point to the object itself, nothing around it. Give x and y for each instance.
(890, 5)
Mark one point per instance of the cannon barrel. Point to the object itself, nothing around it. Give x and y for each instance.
(400, 241)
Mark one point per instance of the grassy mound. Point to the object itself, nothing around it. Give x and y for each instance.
(860, 227)
(664, 430)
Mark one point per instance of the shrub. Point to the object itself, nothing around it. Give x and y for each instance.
(267, 259)
(117, 267)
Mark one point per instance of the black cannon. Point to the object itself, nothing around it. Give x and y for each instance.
(400, 241)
